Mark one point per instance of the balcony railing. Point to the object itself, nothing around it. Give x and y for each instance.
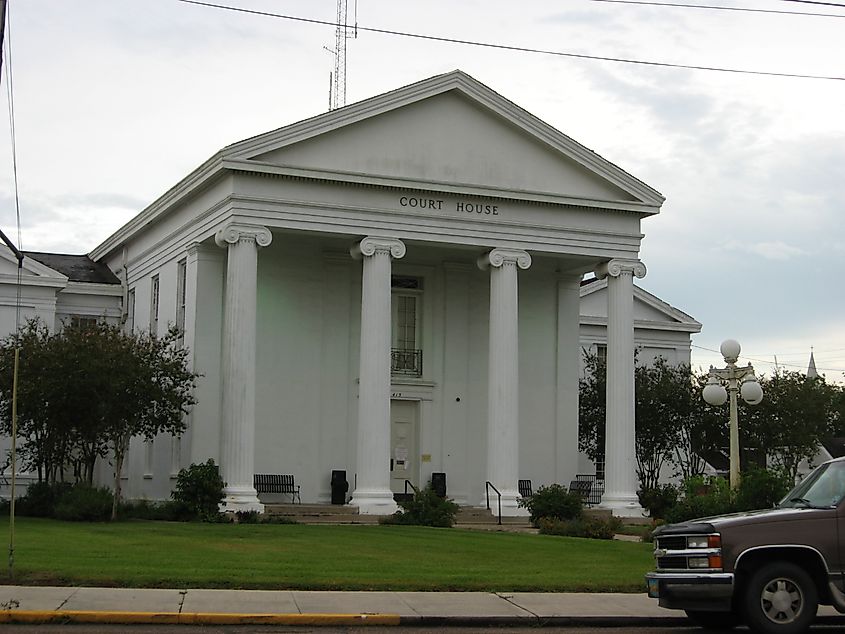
(406, 362)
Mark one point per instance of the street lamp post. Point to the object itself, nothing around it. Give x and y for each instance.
(737, 379)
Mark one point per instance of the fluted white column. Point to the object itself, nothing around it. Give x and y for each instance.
(503, 375)
(372, 494)
(237, 450)
(620, 440)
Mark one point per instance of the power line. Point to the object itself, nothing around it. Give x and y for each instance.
(520, 49)
(824, 4)
(718, 8)
(756, 360)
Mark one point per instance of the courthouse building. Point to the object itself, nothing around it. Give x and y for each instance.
(393, 289)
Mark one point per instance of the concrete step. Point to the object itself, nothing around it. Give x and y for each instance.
(310, 509)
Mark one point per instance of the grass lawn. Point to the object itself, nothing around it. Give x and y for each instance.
(166, 554)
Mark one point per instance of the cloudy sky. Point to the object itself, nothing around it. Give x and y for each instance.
(116, 100)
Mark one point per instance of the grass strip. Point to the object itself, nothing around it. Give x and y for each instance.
(303, 557)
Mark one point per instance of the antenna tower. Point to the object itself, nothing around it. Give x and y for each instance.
(337, 83)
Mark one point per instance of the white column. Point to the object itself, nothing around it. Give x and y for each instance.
(568, 373)
(372, 494)
(620, 441)
(237, 451)
(503, 376)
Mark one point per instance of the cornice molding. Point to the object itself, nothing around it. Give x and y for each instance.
(234, 233)
(369, 246)
(500, 256)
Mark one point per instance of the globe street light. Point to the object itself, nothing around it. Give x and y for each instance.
(740, 380)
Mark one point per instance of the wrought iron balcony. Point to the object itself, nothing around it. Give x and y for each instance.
(406, 362)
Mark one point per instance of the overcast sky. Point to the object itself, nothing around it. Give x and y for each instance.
(117, 100)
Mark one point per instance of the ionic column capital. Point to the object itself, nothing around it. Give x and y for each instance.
(234, 233)
(500, 256)
(370, 246)
(615, 268)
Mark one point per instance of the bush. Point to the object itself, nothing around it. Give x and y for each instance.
(589, 526)
(761, 489)
(704, 496)
(166, 511)
(41, 498)
(85, 504)
(553, 501)
(426, 508)
(659, 500)
(199, 488)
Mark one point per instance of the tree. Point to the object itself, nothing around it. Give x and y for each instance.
(89, 390)
(797, 413)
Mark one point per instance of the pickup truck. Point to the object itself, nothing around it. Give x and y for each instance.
(768, 569)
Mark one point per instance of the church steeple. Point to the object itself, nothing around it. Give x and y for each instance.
(811, 369)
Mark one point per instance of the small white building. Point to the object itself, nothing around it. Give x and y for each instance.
(393, 289)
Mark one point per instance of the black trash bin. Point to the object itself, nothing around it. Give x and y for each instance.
(438, 483)
(339, 486)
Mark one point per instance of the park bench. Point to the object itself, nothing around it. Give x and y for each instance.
(276, 483)
(596, 489)
(582, 488)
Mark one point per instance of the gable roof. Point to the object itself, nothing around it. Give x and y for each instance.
(77, 268)
(680, 320)
(247, 155)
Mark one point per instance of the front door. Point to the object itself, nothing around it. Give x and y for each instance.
(404, 455)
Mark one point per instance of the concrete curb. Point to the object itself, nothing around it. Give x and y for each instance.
(193, 618)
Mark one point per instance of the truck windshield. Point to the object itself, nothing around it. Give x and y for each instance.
(823, 488)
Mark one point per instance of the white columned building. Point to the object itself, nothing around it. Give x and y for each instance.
(620, 492)
(239, 340)
(372, 492)
(408, 362)
(503, 374)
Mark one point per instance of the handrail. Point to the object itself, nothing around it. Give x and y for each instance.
(487, 486)
(407, 482)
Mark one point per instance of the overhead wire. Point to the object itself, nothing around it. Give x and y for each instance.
(779, 363)
(520, 49)
(824, 4)
(683, 5)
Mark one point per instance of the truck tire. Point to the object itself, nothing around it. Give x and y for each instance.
(780, 598)
(719, 621)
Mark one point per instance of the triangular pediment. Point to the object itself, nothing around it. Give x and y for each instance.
(648, 308)
(450, 130)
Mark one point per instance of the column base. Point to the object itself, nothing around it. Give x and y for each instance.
(510, 504)
(240, 499)
(622, 505)
(374, 501)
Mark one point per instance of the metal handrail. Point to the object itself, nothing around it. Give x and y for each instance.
(487, 486)
(407, 482)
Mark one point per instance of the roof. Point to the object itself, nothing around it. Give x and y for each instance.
(246, 155)
(77, 268)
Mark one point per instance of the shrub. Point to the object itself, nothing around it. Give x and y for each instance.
(199, 488)
(761, 489)
(703, 497)
(425, 508)
(589, 526)
(659, 500)
(166, 510)
(41, 498)
(553, 501)
(85, 504)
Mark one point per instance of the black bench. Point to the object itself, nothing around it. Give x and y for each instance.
(275, 483)
(582, 488)
(525, 489)
(596, 488)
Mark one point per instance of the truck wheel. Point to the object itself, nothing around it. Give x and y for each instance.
(713, 620)
(780, 598)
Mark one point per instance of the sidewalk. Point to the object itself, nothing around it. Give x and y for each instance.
(224, 607)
